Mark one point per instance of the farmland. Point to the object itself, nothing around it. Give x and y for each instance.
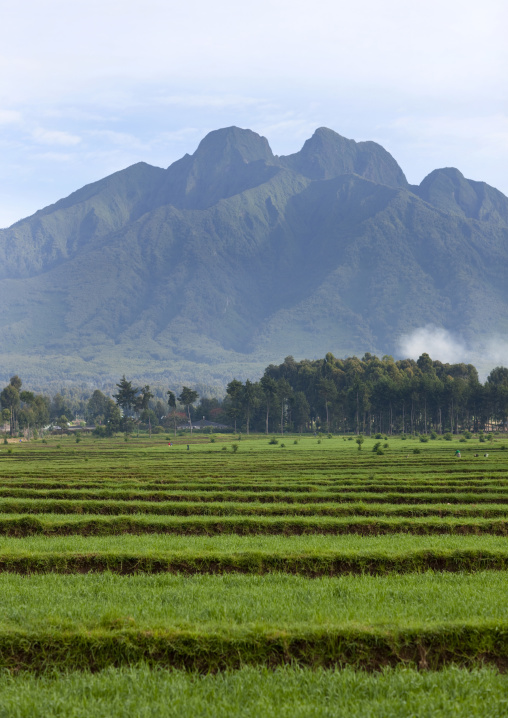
(211, 575)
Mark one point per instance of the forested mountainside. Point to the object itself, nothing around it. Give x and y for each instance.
(233, 258)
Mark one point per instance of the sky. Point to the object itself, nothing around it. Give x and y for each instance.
(89, 88)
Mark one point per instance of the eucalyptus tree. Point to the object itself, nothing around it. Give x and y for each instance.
(269, 387)
(234, 400)
(284, 392)
(10, 399)
(172, 405)
(187, 398)
(249, 398)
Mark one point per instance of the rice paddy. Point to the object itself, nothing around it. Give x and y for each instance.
(281, 573)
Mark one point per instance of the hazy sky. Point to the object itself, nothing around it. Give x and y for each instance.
(88, 88)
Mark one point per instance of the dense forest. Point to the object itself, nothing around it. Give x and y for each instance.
(361, 396)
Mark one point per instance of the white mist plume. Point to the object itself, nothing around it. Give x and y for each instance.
(437, 342)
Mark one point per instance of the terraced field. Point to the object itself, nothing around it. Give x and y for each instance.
(305, 579)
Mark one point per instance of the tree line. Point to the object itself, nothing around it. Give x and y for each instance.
(368, 396)
(352, 395)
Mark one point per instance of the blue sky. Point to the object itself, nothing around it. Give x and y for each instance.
(88, 88)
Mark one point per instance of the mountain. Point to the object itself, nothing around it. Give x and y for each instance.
(233, 258)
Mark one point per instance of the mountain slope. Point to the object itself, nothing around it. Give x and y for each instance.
(233, 258)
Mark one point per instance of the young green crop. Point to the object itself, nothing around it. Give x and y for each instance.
(253, 508)
(97, 525)
(234, 602)
(393, 545)
(253, 692)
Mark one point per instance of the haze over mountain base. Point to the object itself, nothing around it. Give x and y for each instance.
(234, 258)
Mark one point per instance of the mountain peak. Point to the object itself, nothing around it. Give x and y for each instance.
(448, 190)
(231, 144)
(327, 154)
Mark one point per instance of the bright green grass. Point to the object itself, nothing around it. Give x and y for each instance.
(253, 508)
(277, 495)
(55, 524)
(238, 602)
(393, 545)
(256, 693)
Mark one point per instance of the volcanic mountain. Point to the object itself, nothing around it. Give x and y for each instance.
(233, 258)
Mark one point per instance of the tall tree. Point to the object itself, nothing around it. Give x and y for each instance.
(187, 398)
(126, 395)
(172, 405)
(234, 391)
(248, 400)
(10, 399)
(269, 389)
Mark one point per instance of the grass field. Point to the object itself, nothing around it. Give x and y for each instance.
(303, 578)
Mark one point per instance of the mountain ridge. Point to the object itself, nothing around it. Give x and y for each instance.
(233, 257)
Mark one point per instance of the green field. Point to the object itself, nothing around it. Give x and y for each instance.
(304, 579)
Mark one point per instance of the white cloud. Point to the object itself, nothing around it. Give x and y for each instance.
(217, 101)
(8, 117)
(55, 137)
(120, 139)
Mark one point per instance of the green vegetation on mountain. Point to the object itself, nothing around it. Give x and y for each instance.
(233, 258)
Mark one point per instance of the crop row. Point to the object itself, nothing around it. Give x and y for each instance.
(362, 483)
(286, 692)
(264, 497)
(158, 490)
(316, 553)
(234, 602)
(54, 525)
(208, 622)
(254, 508)
(466, 645)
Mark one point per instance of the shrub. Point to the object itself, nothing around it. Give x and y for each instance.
(296, 441)
(433, 435)
(330, 436)
(462, 440)
(376, 446)
(417, 451)
(9, 451)
(447, 436)
(78, 439)
(482, 439)
(467, 435)
(359, 440)
(380, 452)
(234, 448)
(5, 440)
(282, 446)
(385, 445)
(403, 437)
(424, 439)
(378, 436)
(224, 448)
(319, 441)
(212, 440)
(273, 440)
